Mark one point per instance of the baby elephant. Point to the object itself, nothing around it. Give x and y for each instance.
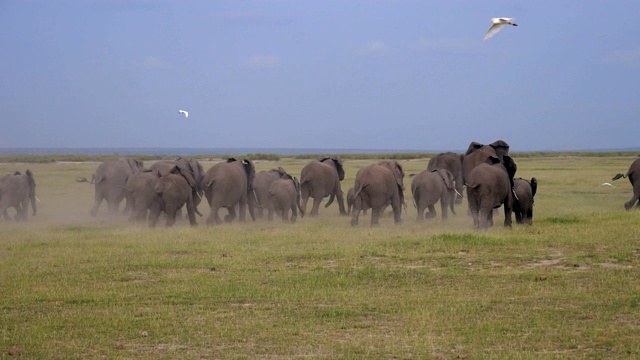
(524, 191)
(430, 186)
(284, 194)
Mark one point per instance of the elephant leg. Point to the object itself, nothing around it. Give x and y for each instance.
(396, 206)
(375, 217)
(171, 217)
(340, 197)
(629, 204)
(242, 211)
(485, 218)
(420, 215)
(432, 212)
(97, 200)
(285, 215)
(5, 214)
(507, 215)
(214, 218)
(294, 212)
(154, 214)
(231, 215)
(316, 205)
(444, 208)
(270, 213)
(191, 212)
(529, 219)
(357, 205)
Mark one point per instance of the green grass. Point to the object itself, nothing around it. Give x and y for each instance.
(72, 286)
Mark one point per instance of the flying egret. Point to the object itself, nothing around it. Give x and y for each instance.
(185, 113)
(498, 23)
(606, 184)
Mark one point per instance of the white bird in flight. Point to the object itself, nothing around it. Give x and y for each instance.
(185, 113)
(606, 184)
(498, 23)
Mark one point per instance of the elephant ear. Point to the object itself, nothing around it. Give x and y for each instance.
(447, 177)
(473, 147)
(176, 170)
(134, 164)
(231, 159)
(492, 160)
(511, 167)
(338, 163)
(398, 173)
(534, 186)
(501, 147)
(250, 170)
(281, 171)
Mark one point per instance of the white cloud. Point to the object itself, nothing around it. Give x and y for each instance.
(153, 62)
(262, 61)
(629, 58)
(375, 48)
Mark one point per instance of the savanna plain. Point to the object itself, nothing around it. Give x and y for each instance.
(77, 287)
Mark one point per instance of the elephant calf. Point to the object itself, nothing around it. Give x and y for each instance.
(284, 195)
(524, 191)
(173, 191)
(378, 185)
(428, 187)
(17, 191)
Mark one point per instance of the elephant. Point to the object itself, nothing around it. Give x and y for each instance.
(228, 184)
(453, 163)
(191, 169)
(524, 191)
(17, 191)
(634, 178)
(110, 179)
(261, 183)
(141, 194)
(319, 179)
(173, 190)
(284, 194)
(489, 186)
(478, 154)
(428, 187)
(377, 185)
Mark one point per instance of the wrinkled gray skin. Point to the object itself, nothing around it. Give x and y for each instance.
(377, 185)
(489, 186)
(478, 154)
(634, 178)
(261, 183)
(174, 190)
(141, 194)
(524, 190)
(17, 191)
(228, 184)
(429, 187)
(110, 179)
(351, 200)
(191, 170)
(452, 162)
(319, 179)
(284, 195)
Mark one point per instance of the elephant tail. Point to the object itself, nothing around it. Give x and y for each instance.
(330, 200)
(618, 176)
(93, 180)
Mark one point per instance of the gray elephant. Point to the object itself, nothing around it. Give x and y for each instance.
(428, 187)
(319, 179)
(190, 169)
(634, 178)
(524, 191)
(141, 194)
(453, 163)
(377, 185)
(489, 186)
(174, 190)
(17, 191)
(261, 184)
(110, 179)
(228, 184)
(284, 195)
(478, 154)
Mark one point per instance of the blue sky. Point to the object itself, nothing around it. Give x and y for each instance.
(372, 74)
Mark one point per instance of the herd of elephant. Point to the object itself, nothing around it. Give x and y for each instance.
(487, 173)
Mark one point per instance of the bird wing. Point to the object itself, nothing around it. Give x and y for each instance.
(186, 114)
(492, 31)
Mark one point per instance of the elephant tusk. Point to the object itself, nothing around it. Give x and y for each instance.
(514, 195)
(457, 192)
(37, 198)
(199, 196)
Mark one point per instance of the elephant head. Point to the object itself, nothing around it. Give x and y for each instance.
(508, 163)
(447, 177)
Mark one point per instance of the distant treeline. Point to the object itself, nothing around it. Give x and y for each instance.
(276, 157)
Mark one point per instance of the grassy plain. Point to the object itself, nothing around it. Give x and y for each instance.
(72, 286)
